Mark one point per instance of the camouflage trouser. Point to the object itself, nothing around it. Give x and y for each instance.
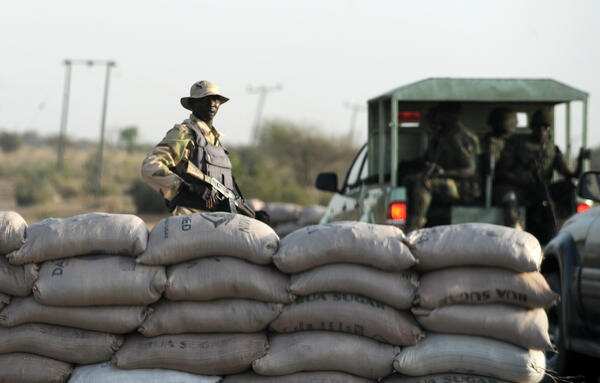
(421, 193)
(181, 210)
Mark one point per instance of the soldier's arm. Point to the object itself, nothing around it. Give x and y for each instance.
(468, 150)
(560, 165)
(508, 170)
(156, 167)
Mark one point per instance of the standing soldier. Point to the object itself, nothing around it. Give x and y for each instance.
(450, 171)
(526, 167)
(190, 168)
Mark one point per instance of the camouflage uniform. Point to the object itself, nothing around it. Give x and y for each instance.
(452, 153)
(180, 143)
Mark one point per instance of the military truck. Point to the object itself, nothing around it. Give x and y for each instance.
(371, 190)
(572, 267)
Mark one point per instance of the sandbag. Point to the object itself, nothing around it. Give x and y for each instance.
(111, 319)
(99, 280)
(380, 246)
(12, 231)
(61, 343)
(299, 377)
(106, 373)
(482, 285)
(225, 277)
(284, 229)
(348, 313)
(471, 355)
(182, 238)
(282, 212)
(523, 327)
(29, 368)
(222, 316)
(210, 354)
(326, 351)
(17, 280)
(475, 244)
(311, 215)
(443, 378)
(394, 289)
(4, 300)
(91, 233)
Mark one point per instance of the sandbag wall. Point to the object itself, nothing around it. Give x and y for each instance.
(480, 297)
(289, 217)
(217, 294)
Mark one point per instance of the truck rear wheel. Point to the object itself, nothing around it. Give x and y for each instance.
(559, 360)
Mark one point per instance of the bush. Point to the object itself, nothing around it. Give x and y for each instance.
(145, 199)
(10, 142)
(35, 188)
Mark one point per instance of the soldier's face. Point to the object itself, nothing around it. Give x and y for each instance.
(206, 108)
(509, 123)
(542, 133)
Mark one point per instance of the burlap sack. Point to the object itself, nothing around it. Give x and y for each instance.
(61, 343)
(91, 233)
(475, 244)
(394, 289)
(99, 280)
(111, 319)
(348, 313)
(222, 316)
(182, 238)
(443, 378)
(29, 368)
(106, 373)
(283, 229)
(479, 285)
(471, 355)
(12, 231)
(4, 300)
(380, 246)
(282, 212)
(299, 377)
(311, 215)
(210, 354)
(225, 277)
(326, 351)
(17, 280)
(523, 327)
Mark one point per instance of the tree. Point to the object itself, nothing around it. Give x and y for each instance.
(9, 142)
(128, 136)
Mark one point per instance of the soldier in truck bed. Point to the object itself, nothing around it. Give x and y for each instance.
(448, 172)
(527, 164)
(197, 141)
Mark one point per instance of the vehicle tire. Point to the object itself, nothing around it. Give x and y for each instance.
(558, 361)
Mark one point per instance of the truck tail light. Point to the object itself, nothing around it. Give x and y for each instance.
(409, 116)
(583, 207)
(397, 211)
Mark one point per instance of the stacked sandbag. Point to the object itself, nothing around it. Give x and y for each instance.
(87, 290)
(107, 373)
(222, 292)
(482, 298)
(288, 217)
(354, 292)
(12, 231)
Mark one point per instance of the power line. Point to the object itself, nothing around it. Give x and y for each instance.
(262, 91)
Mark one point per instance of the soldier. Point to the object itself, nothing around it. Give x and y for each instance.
(194, 141)
(503, 122)
(526, 167)
(449, 174)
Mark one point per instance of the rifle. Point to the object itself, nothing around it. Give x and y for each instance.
(236, 204)
(547, 197)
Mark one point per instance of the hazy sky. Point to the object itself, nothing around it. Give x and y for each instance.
(323, 53)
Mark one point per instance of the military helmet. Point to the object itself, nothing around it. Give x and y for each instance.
(542, 117)
(202, 89)
(497, 115)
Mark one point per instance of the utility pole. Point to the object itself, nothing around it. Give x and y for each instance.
(109, 66)
(355, 108)
(60, 158)
(262, 91)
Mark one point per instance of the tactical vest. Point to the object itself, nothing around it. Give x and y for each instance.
(213, 161)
